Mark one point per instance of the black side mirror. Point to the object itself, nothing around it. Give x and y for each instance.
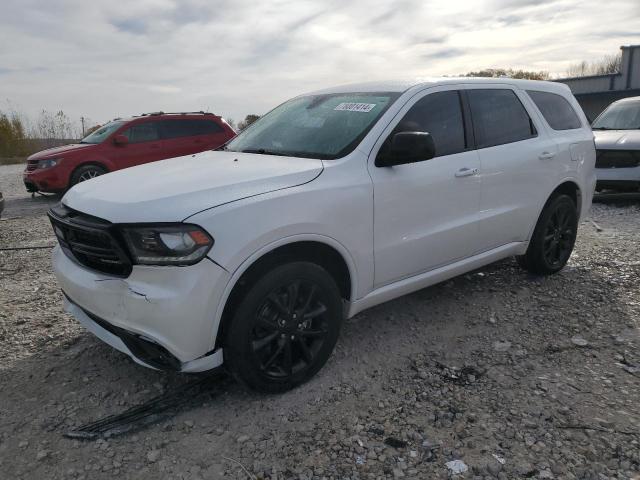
(407, 147)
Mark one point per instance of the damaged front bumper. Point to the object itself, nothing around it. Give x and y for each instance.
(163, 317)
(143, 351)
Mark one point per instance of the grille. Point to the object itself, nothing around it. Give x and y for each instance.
(32, 165)
(617, 159)
(90, 241)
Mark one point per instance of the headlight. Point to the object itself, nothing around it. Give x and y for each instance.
(48, 163)
(178, 244)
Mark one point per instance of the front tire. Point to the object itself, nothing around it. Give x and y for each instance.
(553, 238)
(86, 172)
(285, 328)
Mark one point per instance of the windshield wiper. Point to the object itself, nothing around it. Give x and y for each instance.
(263, 151)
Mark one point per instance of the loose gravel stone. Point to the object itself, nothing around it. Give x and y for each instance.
(422, 370)
(579, 341)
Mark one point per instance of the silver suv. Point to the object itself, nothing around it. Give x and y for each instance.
(617, 134)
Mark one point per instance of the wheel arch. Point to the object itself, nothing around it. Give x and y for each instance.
(571, 188)
(319, 249)
(568, 186)
(97, 163)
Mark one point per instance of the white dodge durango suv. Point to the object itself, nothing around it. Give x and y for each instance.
(333, 202)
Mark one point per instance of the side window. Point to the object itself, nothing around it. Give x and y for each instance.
(207, 127)
(177, 128)
(498, 117)
(440, 114)
(556, 110)
(142, 132)
(188, 128)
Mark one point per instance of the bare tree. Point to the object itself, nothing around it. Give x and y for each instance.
(603, 66)
(90, 130)
(248, 120)
(509, 72)
(54, 126)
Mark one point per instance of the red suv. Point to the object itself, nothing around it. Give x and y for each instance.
(125, 143)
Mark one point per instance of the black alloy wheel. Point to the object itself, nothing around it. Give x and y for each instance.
(553, 237)
(290, 329)
(284, 327)
(559, 235)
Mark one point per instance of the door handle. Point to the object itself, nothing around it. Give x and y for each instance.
(466, 172)
(546, 155)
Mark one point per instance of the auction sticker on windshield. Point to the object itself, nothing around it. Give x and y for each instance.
(355, 107)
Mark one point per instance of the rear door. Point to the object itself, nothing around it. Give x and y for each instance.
(426, 213)
(517, 161)
(177, 135)
(145, 145)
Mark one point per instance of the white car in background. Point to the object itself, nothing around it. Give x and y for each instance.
(617, 135)
(331, 203)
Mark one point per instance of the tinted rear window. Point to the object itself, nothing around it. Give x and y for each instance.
(189, 128)
(556, 110)
(499, 117)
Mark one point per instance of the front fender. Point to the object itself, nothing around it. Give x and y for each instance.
(261, 252)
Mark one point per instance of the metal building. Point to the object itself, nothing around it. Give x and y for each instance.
(596, 92)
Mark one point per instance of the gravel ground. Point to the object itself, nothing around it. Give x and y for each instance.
(18, 202)
(512, 375)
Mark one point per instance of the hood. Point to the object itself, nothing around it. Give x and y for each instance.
(57, 151)
(617, 139)
(172, 190)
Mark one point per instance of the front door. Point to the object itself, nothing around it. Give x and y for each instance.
(145, 145)
(426, 213)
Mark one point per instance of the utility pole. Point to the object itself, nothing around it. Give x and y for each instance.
(82, 121)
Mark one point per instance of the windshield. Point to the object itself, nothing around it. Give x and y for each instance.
(316, 126)
(99, 135)
(619, 116)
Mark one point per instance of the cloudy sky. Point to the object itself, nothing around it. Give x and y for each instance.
(105, 59)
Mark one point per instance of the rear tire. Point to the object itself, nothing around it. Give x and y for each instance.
(285, 328)
(86, 172)
(553, 238)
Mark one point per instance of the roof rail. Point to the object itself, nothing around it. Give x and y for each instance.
(201, 112)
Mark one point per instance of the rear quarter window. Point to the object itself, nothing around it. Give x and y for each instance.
(556, 110)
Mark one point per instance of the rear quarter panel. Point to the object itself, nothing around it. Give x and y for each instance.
(575, 160)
